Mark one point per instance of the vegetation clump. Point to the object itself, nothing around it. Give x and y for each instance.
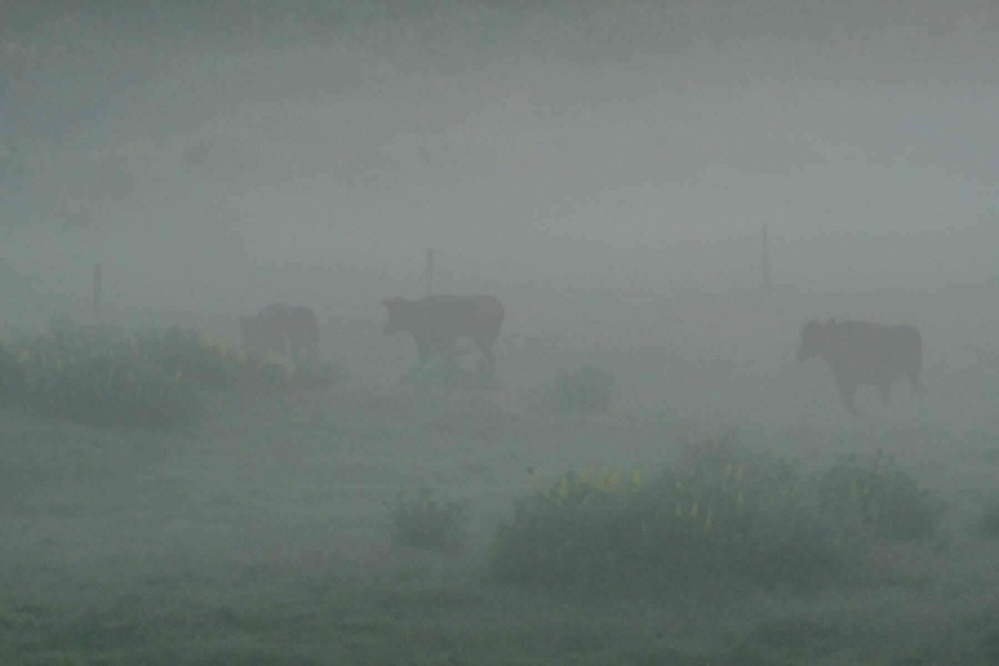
(889, 502)
(103, 376)
(988, 520)
(720, 515)
(420, 520)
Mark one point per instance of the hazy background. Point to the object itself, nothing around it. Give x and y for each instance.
(604, 168)
(555, 153)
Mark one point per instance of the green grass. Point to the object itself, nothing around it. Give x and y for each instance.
(264, 538)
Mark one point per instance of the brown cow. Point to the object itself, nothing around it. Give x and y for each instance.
(861, 352)
(436, 323)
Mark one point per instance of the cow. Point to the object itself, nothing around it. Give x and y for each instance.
(864, 353)
(282, 329)
(436, 323)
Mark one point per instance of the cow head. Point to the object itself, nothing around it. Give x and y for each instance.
(813, 338)
(396, 314)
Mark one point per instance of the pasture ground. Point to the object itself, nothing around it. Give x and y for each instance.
(262, 539)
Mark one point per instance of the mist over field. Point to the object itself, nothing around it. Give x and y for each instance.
(637, 145)
(605, 169)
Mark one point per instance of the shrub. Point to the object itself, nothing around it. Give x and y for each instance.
(104, 376)
(95, 376)
(988, 521)
(720, 515)
(421, 521)
(11, 375)
(585, 390)
(888, 501)
(196, 358)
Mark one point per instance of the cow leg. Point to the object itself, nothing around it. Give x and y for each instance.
(423, 353)
(447, 355)
(846, 392)
(485, 345)
(488, 361)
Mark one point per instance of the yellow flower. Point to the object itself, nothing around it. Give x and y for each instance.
(23, 355)
(740, 472)
(728, 470)
(611, 480)
(584, 477)
(563, 488)
(709, 520)
(636, 479)
(693, 510)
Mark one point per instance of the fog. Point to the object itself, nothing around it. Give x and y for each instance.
(636, 146)
(595, 166)
(606, 170)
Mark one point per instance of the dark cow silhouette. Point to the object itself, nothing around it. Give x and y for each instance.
(861, 352)
(436, 323)
(282, 329)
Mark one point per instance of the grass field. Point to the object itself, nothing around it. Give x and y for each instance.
(263, 538)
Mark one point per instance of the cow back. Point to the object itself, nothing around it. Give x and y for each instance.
(874, 351)
(445, 318)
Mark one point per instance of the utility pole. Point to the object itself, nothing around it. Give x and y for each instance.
(429, 276)
(97, 294)
(766, 284)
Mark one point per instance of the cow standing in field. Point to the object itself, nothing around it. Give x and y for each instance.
(436, 323)
(862, 352)
(282, 329)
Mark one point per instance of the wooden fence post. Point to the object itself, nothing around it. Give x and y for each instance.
(765, 260)
(429, 277)
(97, 293)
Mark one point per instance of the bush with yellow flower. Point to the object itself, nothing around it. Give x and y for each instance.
(96, 376)
(722, 512)
(107, 376)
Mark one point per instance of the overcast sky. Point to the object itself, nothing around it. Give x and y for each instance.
(639, 143)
